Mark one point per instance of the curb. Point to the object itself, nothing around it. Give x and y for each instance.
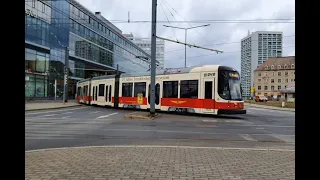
(53, 108)
(264, 107)
(133, 116)
(159, 146)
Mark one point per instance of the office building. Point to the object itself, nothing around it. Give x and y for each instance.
(274, 76)
(145, 44)
(56, 30)
(256, 48)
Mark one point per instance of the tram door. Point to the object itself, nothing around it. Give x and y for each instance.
(208, 92)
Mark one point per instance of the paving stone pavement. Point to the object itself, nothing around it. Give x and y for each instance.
(159, 163)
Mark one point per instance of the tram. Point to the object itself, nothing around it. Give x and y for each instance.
(208, 89)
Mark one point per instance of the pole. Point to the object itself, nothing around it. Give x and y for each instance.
(66, 75)
(55, 89)
(153, 57)
(185, 48)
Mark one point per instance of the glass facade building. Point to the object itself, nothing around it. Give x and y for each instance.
(95, 47)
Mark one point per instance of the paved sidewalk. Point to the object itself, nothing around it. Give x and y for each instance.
(270, 107)
(159, 163)
(49, 105)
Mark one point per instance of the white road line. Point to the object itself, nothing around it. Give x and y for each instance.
(161, 131)
(209, 120)
(58, 110)
(108, 115)
(47, 115)
(247, 137)
(259, 128)
(67, 113)
(275, 126)
(94, 112)
(65, 117)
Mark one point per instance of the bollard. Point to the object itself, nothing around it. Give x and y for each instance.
(283, 104)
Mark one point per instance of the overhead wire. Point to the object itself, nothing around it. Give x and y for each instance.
(204, 55)
(222, 44)
(168, 21)
(175, 18)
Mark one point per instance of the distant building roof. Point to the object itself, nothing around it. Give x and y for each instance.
(289, 60)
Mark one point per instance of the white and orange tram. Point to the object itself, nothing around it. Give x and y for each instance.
(209, 89)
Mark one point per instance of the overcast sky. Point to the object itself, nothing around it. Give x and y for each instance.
(221, 36)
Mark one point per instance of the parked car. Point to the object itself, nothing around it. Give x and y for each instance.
(261, 98)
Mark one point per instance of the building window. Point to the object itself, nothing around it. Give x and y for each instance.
(286, 73)
(279, 80)
(292, 80)
(279, 87)
(272, 88)
(33, 3)
(272, 66)
(286, 80)
(259, 80)
(265, 87)
(259, 87)
(259, 74)
(272, 73)
(43, 7)
(189, 89)
(266, 67)
(279, 73)
(279, 66)
(272, 80)
(292, 66)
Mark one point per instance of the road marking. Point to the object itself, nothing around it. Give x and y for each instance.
(247, 137)
(259, 128)
(161, 131)
(209, 120)
(94, 112)
(67, 113)
(58, 110)
(257, 125)
(270, 110)
(65, 117)
(47, 115)
(107, 115)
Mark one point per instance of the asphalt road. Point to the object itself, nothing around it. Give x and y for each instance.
(95, 126)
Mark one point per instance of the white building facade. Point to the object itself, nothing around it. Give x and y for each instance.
(256, 48)
(145, 44)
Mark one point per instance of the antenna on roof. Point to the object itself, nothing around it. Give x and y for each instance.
(128, 16)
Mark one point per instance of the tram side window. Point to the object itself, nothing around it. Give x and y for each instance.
(170, 89)
(189, 89)
(101, 89)
(127, 89)
(139, 87)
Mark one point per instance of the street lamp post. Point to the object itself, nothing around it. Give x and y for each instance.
(185, 39)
